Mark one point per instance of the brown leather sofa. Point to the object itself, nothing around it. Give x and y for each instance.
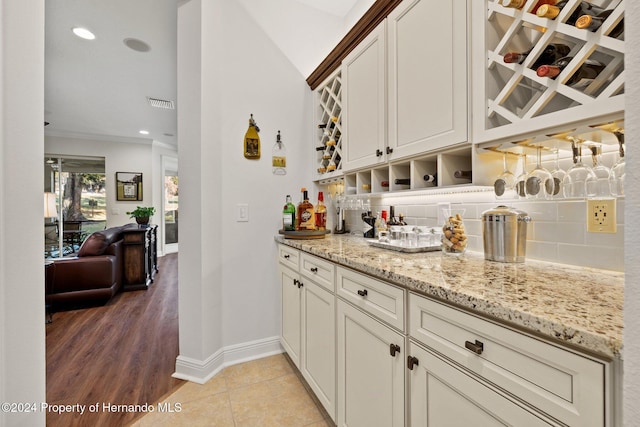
(93, 276)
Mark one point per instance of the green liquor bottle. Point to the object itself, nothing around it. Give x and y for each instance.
(289, 215)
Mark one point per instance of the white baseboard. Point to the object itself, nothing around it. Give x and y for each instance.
(201, 371)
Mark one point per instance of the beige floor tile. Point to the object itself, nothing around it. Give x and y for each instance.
(256, 371)
(212, 410)
(192, 391)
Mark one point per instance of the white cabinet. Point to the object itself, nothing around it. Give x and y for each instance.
(308, 322)
(442, 394)
(427, 76)
(364, 102)
(370, 371)
(290, 329)
(550, 381)
(319, 343)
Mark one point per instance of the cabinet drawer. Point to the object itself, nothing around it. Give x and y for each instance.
(380, 299)
(288, 256)
(320, 271)
(566, 385)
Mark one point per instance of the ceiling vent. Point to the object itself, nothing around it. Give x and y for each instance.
(161, 103)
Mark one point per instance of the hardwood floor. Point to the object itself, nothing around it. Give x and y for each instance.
(122, 353)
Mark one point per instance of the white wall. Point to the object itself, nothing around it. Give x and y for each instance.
(119, 157)
(22, 333)
(229, 296)
(632, 237)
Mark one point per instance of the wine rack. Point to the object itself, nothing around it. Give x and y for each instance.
(329, 119)
(514, 100)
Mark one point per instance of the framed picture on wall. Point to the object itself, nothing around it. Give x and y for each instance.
(128, 186)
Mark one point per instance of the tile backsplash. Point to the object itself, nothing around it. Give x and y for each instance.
(557, 232)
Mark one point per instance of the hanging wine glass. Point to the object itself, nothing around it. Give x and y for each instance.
(574, 183)
(539, 183)
(558, 176)
(504, 186)
(597, 185)
(616, 177)
(521, 180)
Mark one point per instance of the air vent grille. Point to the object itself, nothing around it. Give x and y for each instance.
(161, 103)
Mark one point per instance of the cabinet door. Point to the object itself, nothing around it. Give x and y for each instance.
(319, 344)
(370, 379)
(443, 395)
(364, 102)
(427, 71)
(290, 334)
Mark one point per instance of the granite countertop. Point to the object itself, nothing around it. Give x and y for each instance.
(575, 305)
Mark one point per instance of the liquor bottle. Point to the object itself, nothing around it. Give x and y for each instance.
(392, 218)
(462, 174)
(306, 215)
(431, 178)
(403, 181)
(551, 11)
(401, 219)
(252, 141)
(279, 157)
(368, 225)
(582, 77)
(551, 53)
(321, 213)
(592, 23)
(289, 215)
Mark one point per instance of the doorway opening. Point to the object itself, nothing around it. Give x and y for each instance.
(170, 204)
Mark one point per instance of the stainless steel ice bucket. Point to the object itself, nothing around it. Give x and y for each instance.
(504, 232)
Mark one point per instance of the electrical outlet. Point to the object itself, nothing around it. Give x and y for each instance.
(601, 215)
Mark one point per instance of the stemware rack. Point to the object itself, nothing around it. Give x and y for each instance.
(516, 100)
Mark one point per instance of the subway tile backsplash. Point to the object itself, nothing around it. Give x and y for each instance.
(557, 233)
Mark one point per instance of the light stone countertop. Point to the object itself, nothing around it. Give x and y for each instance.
(575, 305)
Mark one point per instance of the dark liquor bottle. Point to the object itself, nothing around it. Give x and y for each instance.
(549, 55)
(592, 23)
(582, 77)
(306, 214)
(431, 178)
(403, 181)
(462, 174)
(551, 11)
(392, 218)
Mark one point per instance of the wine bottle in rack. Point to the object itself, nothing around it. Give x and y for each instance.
(593, 22)
(320, 148)
(384, 184)
(402, 181)
(551, 53)
(462, 174)
(433, 179)
(519, 4)
(581, 78)
(551, 11)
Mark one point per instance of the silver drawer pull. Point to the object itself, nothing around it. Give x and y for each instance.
(476, 347)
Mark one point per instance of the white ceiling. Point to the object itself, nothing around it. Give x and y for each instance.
(98, 89)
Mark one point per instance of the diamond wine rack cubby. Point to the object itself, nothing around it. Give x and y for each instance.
(517, 101)
(329, 119)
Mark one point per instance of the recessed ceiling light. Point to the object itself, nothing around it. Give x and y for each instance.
(144, 132)
(83, 33)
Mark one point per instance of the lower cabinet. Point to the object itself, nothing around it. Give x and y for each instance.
(371, 371)
(291, 304)
(442, 394)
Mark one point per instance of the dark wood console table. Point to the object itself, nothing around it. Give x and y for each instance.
(140, 257)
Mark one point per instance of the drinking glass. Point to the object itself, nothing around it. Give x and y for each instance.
(574, 183)
(558, 176)
(598, 184)
(539, 183)
(521, 180)
(504, 186)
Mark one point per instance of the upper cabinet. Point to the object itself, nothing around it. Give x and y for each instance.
(427, 69)
(405, 86)
(511, 99)
(364, 102)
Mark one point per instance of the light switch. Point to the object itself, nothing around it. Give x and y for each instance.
(242, 212)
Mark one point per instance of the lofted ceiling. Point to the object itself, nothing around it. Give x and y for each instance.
(99, 89)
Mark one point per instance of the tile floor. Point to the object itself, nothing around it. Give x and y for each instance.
(262, 393)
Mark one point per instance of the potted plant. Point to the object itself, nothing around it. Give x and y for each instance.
(142, 214)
